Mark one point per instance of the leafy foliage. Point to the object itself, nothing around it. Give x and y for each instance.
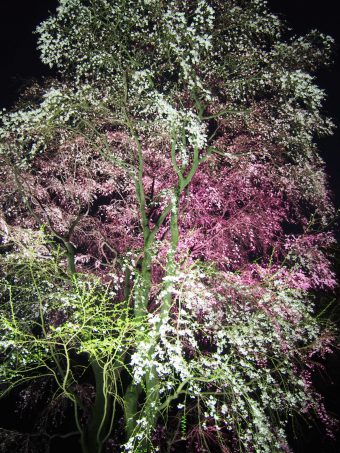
(165, 215)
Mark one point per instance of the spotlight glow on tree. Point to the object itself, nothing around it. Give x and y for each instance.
(164, 218)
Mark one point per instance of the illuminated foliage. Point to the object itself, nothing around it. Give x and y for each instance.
(165, 217)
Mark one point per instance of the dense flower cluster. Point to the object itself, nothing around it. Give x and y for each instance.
(236, 343)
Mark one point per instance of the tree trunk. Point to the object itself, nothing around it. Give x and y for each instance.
(98, 428)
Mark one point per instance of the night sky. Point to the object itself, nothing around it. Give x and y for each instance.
(20, 61)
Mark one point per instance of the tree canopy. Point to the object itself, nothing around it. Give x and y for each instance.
(165, 227)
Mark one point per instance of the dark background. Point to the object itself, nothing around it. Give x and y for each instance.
(19, 61)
